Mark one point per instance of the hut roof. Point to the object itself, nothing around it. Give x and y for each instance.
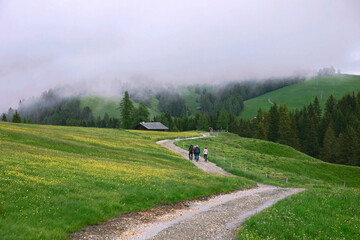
(154, 126)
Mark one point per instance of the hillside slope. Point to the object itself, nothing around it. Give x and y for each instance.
(55, 180)
(101, 105)
(301, 94)
(328, 209)
(272, 163)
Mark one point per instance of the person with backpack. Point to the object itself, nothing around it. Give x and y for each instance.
(205, 154)
(191, 152)
(197, 153)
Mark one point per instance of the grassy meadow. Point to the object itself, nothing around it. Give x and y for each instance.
(55, 180)
(301, 94)
(326, 210)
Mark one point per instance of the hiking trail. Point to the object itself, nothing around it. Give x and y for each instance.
(208, 167)
(215, 217)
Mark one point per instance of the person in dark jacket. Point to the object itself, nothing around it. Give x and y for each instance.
(197, 153)
(191, 152)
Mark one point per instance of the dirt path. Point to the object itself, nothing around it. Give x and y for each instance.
(215, 217)
(208, 167)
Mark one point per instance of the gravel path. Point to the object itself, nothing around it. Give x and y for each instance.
(215, 217)
(208, 167)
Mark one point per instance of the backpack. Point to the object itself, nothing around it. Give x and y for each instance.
(197, 150)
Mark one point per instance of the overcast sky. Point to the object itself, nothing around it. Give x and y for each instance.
(46, 43)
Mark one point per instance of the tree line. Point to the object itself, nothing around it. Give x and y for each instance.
(332, 135)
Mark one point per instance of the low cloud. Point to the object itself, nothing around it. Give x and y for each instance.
(103, 47)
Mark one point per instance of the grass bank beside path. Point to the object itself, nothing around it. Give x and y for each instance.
(326, 210)
(318, 213)
(55, 180)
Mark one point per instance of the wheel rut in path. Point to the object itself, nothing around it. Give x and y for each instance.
(214, 218)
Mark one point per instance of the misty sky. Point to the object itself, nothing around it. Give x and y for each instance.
(98, 44)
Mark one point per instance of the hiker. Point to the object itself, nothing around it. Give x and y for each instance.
(191, 152)
(205, 154)
(197, 153)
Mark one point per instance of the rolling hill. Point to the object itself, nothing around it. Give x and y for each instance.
(328, 209)
(55, 180)
(301, 94)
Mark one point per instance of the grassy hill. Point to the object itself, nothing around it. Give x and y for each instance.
(326, 210)
(301, 94)
(102, 105)
(55, 180)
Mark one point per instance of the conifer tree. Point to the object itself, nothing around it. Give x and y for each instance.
(202, 122)
(245, 129)
(317, 107)
(3, 117)
(285, 133)
(16, 117)
(126, 109)
(311, 141)
(330, 104)
(328, 150)
(348, 147)
(294, 140)
(222, 120)
(142, 113)
(273, 126)
(234, 126)
(261, 131)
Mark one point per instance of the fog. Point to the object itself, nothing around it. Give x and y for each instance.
(103, 47)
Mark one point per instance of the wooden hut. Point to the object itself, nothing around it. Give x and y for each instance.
(151, 126)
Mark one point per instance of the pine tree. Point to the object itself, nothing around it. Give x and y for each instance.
(222, 120)
(317, 107)
(30, 121)
(348, 147)
(330, 104)
(294, 140)
(312, 147)
(285, 133)
(260, 131)
(234, 126)
(202, 122)
(126, 109)
(142, 113)
(273, 126)
(3, 117)
(106, 120)
(328, 150)
(16, 118)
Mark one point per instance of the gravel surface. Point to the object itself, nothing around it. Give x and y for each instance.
(208, 167)
(214, 217)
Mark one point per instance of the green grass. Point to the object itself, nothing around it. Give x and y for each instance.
(55, 180)
(276, 161)
(301, 94)
(189, 95)
(318, 213)
(102, 105)
(325, 210)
